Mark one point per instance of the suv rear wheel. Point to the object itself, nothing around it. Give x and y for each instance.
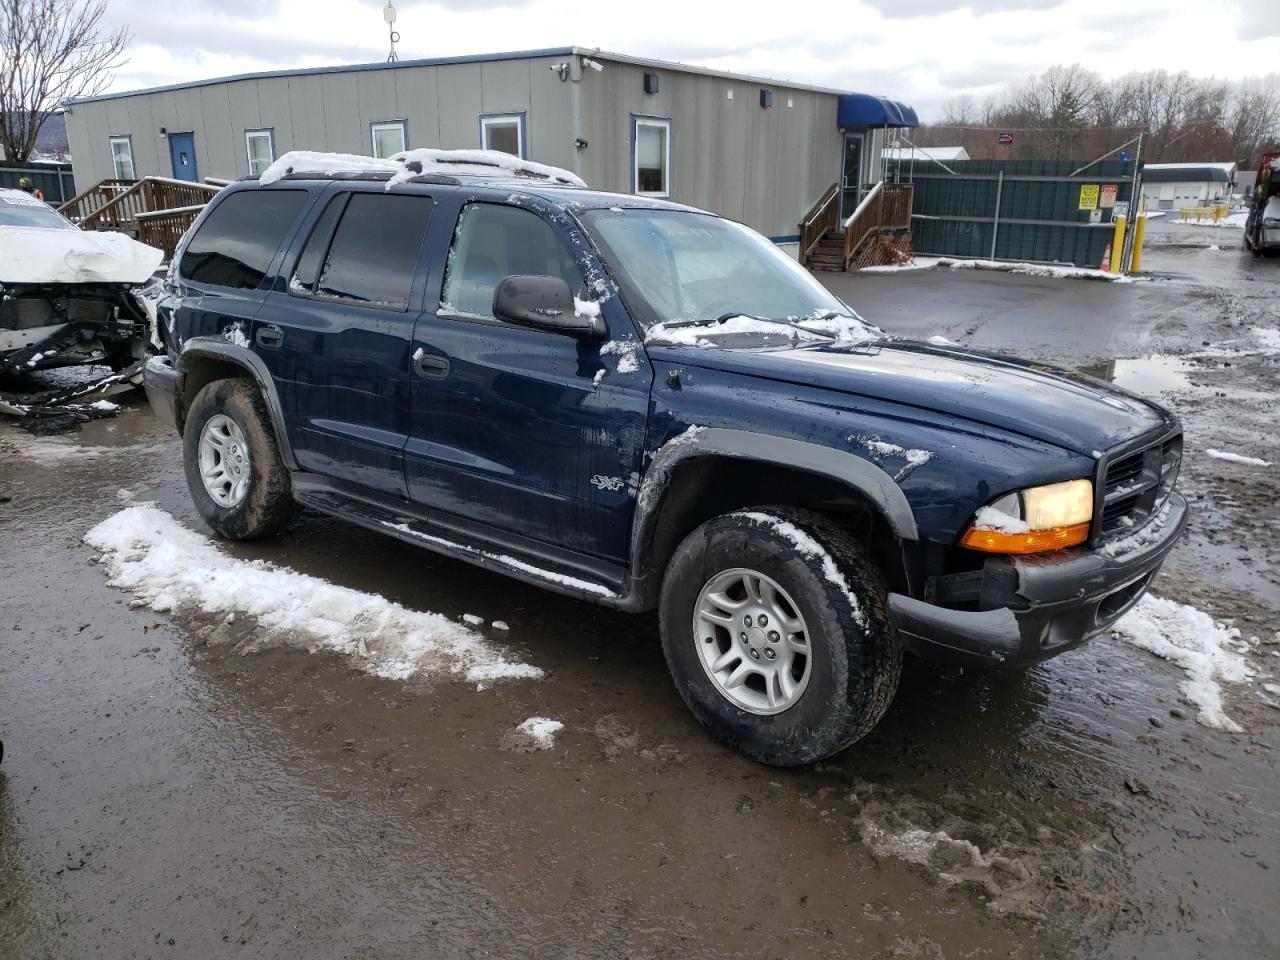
(775, 629)
(234, 472)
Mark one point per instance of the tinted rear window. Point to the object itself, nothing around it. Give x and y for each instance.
(234, 246)
(374, 251)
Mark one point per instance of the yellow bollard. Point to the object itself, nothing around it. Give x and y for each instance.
(1117, 245)
(1139, 234)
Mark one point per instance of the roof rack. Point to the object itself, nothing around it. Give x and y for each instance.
(417, 166)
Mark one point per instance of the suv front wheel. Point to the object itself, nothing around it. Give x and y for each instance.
(234, 472)
(775, 629)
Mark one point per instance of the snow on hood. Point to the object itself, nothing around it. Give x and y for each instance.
(36, 255)
(411, 163)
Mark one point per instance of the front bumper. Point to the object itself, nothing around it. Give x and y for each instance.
(160, 380)
(1040, 606)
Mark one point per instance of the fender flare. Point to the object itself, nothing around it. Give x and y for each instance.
(218, 349)
(848, 468)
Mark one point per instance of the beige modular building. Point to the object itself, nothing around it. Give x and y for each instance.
(758, 151)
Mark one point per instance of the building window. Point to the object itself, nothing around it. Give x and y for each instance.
(503, 132)
(651, 156)
(122, 157)
(260, 147)
(389, 138)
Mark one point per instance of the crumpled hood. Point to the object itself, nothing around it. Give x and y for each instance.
(39, 255)
(1046, 403)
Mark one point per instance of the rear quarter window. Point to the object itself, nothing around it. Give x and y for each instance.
(235, 244)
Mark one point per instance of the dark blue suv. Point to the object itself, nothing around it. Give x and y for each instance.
(650, 407)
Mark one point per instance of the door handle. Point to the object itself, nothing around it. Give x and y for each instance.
(429, 365)
(269, 336)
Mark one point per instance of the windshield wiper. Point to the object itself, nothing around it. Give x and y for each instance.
(679, 324)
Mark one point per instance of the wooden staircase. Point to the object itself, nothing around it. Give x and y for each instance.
(878, 232)
(155, 210)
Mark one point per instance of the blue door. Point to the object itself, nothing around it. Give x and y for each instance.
(182, 151)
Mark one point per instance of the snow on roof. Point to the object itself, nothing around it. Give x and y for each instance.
(1226, 165)
(926, 153)
(412, 163)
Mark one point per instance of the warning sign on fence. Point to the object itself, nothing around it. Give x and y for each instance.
(1107, 198)
(1088, 196)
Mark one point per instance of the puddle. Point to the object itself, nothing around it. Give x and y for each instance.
(1146, 376)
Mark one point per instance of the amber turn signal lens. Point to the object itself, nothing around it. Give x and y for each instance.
(1034, 541)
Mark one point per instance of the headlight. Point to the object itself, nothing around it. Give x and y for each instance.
(1034, 520)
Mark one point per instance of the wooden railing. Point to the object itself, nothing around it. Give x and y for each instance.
(85, 204)
(898, 198)
(864, 221)
(145, 196)
(824, 216)
(163, 229)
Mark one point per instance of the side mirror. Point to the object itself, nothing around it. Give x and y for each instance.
(543, 303)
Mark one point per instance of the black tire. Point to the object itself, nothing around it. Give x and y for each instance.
(267, 507)
(855, 665)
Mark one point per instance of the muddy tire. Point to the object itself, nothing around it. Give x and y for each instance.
(232, 461)
(822, 669)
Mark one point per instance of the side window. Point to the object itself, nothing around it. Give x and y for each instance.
(234, 246)
(493, 241)
(372, 256)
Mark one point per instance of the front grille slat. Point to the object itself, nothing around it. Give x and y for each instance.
(1136, 484)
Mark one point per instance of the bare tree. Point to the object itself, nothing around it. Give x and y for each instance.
(50, 51)
(960, 110)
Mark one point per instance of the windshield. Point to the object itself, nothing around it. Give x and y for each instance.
(17, 209)
(678, 268)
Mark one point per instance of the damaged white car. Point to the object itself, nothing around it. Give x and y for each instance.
(67, 297)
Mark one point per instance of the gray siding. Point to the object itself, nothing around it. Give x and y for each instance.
(763, 166)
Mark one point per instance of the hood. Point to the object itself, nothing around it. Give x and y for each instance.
(38, 255)
(1046, 403)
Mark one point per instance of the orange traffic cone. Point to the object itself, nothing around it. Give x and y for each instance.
(1106, 260)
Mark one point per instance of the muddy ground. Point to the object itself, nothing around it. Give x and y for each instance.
(162, 796)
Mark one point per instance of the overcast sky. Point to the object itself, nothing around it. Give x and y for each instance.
(919, 51)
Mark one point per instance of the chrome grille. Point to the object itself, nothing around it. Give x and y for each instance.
(1136, 483)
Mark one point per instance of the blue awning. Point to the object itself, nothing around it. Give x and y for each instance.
(864, 110)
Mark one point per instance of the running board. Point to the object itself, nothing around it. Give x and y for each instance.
(423, 533)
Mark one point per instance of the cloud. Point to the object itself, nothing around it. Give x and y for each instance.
(1257, 18)
(918, 51)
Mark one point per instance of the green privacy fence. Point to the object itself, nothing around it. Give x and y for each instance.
(54, 180)
(1040, 210)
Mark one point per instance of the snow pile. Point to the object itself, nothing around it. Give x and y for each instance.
(1190, 639)
(989, 518)
(36, 255)
(843, 329)
(940, 341)
(680, 334)
(1235, 220)
(1238, 458)
(810, 547)
(1008, 266)
(412, 163)
(168, 567)
(540, 731)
